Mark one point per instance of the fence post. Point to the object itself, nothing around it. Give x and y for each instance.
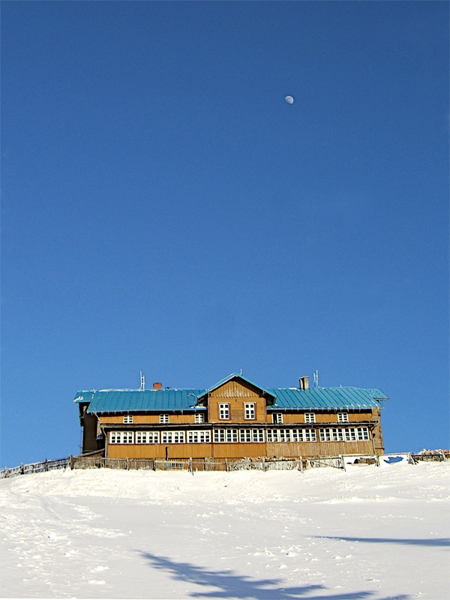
(190, 465)
(6, 472)
(45, 465)
(71, 462)
(127, 467)
(22, 470)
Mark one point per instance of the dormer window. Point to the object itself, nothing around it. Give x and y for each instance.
(127, 419)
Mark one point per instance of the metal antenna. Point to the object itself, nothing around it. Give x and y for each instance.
(316, 378)
(142, 388)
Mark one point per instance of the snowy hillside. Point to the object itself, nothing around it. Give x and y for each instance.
(366, 533)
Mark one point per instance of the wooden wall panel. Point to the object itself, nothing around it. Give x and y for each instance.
(235, 451)
(239, 450)
(236, 395)
(377, 433)
(234, 389)
(296, 417)
(151, 419)
(90, 433)
(159, 451)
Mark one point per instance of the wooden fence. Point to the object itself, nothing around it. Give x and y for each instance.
(189, 464)
(96, 461)
(39, 467)
(153, 464)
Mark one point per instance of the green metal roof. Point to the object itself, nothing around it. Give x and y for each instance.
(327, 398)
(123, 401)
(103, 401)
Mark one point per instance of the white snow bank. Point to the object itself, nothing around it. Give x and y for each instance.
(365, 533)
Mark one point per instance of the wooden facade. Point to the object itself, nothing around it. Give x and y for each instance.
(235, 419)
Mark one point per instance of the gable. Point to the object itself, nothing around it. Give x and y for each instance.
(235, 389)
(239, 387)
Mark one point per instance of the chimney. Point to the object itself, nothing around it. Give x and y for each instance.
(304, 383)
(157, 386)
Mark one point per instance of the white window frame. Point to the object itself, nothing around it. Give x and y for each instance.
(342, 417)
(348, 434)
(249, 411)
(198, 436)
(291, 435)
(147, 437)
(173, 437)
(226, 436)
(127, 419)
(224, 411)
(164, 418)
(199, 418)
(363, 434)
(277, 418)
(248, 436)
(121, 437)
(310, 417)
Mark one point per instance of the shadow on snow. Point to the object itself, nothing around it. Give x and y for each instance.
(411, 542)
(228, 584)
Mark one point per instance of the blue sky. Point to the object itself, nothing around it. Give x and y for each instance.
(165, 210)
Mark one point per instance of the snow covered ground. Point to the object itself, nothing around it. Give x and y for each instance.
(366, 533)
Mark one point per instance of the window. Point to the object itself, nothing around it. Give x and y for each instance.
(199, 418)
(363, 433)
(351, 434)
(249, 411)
(198, 437)
(277, 418)
(147, 437)
(251, 435)
(121, 437)
(291, 435)
(163, 418)
(128, 419)
(310, 418)
(342, 417)
(172, 437)
(309, 435)
(224, 412)
(228, 436)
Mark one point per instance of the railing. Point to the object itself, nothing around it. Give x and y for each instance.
(186, 464)
(326, 461)
(39, 467)
(431, 456)
(96, 461)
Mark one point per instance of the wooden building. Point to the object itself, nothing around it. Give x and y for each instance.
(234, 419)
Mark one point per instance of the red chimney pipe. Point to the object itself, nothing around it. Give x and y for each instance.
(157, 386)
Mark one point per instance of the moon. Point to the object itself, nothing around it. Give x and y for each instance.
(289, 99)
